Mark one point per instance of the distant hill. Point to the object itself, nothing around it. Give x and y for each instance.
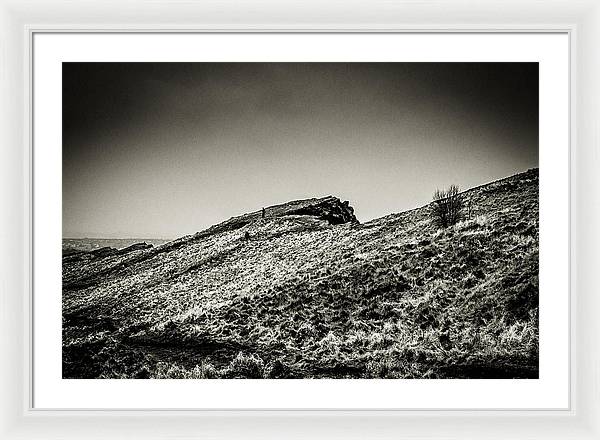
(71, 245)
(308, 291)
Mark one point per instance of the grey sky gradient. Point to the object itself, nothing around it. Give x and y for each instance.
(168, 149)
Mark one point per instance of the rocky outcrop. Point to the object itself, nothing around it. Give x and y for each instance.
(329, 208)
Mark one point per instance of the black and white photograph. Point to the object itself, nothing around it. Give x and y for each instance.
(300, 220)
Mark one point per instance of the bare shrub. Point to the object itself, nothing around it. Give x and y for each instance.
(447, 207)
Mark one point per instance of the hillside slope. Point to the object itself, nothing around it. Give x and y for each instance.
(307, 291)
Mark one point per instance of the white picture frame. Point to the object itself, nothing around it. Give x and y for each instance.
(19, 21)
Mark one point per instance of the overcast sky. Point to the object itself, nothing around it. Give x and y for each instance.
(160, 150)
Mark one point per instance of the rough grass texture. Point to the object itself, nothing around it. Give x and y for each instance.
(303, 298)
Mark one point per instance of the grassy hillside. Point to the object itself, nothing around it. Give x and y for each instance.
(309, 293)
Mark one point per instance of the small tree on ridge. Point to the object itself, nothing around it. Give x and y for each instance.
(447, 207)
